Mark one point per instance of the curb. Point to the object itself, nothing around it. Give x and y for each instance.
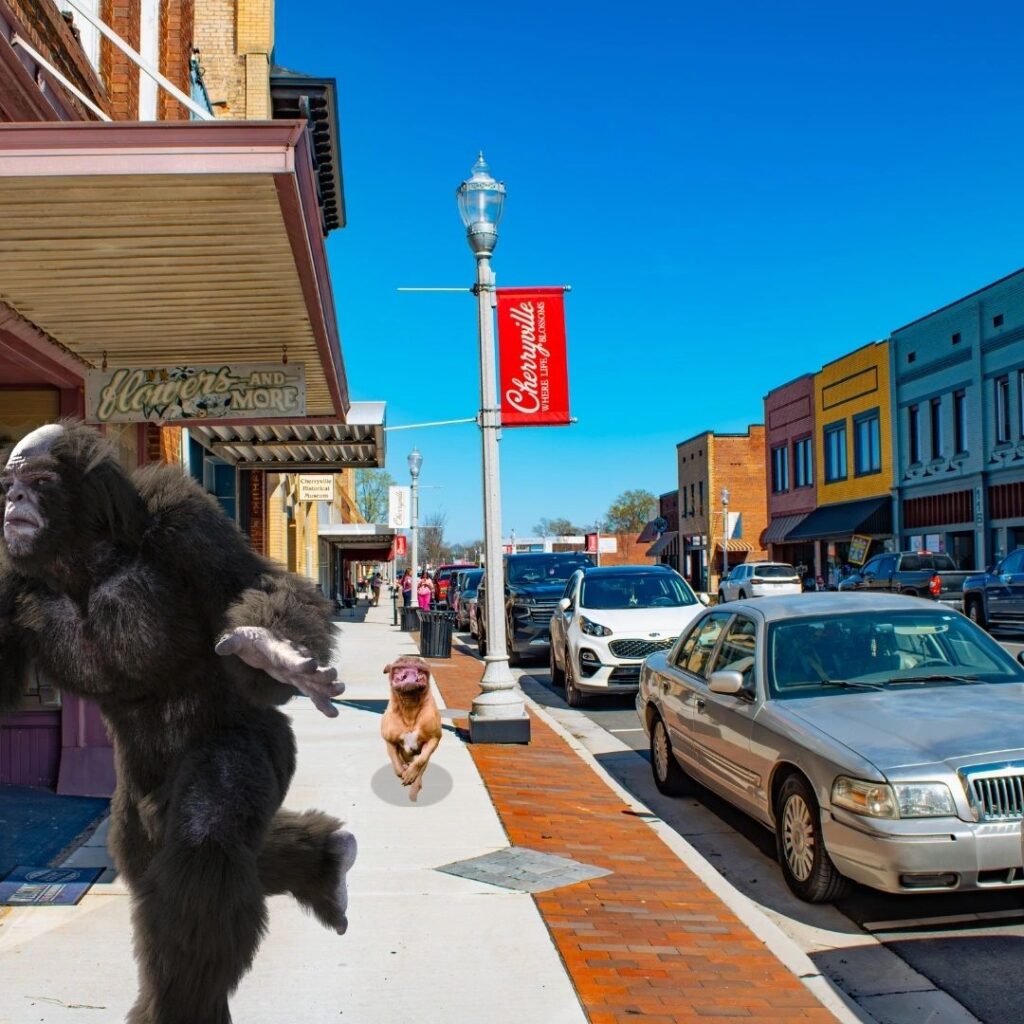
(789, 954)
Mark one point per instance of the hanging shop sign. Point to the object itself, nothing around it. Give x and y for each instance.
(859, 547)
(399, 501)
(400, 548)
(316, 487)
(533, 357)
(236, 391)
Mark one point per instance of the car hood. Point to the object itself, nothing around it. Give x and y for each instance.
(642, 622)
(545, 591)
(907, 727)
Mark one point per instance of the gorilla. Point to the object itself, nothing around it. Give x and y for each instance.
(138, 593)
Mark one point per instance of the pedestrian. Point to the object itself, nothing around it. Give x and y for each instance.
(407, 588)
(375, 584)
(425, 591)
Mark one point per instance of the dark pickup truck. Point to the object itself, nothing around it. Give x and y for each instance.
(914, 573)
(996, 597)
(534, 583)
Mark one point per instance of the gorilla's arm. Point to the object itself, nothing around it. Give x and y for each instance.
(14, 657)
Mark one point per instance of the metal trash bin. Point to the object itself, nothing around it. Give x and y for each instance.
(436, 633)
(410, 618)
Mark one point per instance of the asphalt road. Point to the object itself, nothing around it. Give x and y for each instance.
(949, 959)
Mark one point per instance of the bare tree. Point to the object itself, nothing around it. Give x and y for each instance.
(372, 494)
(433, 550)
(557, 528)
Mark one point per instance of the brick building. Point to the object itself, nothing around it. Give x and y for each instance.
(662, 534)
(708, 463)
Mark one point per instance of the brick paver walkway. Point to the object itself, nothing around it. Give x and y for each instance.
(648, 943)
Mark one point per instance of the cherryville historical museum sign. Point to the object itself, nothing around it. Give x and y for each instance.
(237, 391)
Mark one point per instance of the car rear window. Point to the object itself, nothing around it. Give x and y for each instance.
(774, 572)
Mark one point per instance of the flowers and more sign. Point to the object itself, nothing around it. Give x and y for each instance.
(533, 357)
(237, 391)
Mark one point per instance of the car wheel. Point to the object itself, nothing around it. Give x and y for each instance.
(515, 659)
(668, 776)
(743, 595)
(481, 643)
(976, 612)
(574, 696)
(806, 865)
(557, 674)
(721, 597)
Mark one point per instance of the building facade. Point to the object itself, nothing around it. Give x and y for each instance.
(791, 477)
(958, 402)
(706, 464)
(662, 534)
(853, 462)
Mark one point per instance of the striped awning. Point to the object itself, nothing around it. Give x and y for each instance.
(734, 545)
(779, 527)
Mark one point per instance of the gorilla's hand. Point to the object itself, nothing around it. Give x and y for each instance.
(289, 663)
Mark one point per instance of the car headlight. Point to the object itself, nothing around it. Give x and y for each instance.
(872, 799)
(593, 628)
(924, 800)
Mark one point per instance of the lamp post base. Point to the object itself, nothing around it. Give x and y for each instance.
(483, 729)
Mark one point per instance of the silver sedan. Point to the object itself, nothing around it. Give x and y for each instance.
(880, 739)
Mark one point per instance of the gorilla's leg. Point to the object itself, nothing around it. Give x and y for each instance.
(308, 854)
(199, 910)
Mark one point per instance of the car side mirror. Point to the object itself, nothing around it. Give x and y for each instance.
(704, 598)
(726, 681)
(565, 604)
(1006, 577)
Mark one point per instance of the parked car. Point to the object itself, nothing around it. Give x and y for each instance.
(609, 619)
(881, 741)
(443, 578)
(996, 597)
(534, 583)
(759, 579)
(911, 573)
(465, 587)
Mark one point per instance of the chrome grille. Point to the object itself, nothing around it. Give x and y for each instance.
(542, 612)
(998, 796)
(639, 648)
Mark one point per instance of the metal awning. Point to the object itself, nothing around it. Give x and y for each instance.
(663, 542)
(171, 243)
(779, 527)
(288, 448)
(869, 516)
(359, 541)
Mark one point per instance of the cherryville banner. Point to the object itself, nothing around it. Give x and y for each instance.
(533, 359)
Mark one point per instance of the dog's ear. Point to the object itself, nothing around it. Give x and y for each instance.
(387, 669)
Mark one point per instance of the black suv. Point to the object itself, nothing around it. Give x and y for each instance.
(533, 585)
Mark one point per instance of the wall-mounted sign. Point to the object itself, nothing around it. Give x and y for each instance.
(398, 507)
(237, 391)
(979, 507)
(316, 487)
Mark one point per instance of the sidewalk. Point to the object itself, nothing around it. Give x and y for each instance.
(648, 942)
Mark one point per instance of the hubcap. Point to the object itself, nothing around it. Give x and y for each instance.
(798, 837)
(661, 754)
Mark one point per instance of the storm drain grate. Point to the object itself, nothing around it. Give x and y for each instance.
(526, 870)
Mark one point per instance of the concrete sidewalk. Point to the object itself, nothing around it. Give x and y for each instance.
(421, 945)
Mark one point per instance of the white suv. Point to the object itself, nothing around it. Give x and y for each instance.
(609, 619)
(759, 579)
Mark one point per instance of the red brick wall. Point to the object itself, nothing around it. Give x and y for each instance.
(789, 416)
(176, 36)
(738, 464)
(120, 75)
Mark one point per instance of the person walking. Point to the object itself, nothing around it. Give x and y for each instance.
(406, 585)
(425, 591)
(375, 584)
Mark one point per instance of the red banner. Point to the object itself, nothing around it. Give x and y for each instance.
(400, 546)
(534, 364)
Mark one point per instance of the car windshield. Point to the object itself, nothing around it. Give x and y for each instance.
(774, 572)
(635, 590)
(471, 581)
(545, 568)
(861, 651)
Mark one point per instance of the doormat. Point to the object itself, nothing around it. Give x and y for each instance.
(39, 827)
(46, 887)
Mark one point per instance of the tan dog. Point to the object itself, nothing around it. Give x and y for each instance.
(411, 726)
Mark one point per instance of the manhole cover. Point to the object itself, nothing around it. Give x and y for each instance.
(523, 869)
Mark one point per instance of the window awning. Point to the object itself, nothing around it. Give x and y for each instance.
(738, 546)
(288, 448)
(869, 516)
(171, 244)
(780, 527)
(368, 542)
(663, 542)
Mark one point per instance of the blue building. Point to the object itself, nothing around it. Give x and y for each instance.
(958, 412)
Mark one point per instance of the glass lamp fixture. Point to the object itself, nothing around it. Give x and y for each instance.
(481, 199)
(415, 460)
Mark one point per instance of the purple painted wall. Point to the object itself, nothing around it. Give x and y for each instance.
(788, 417)
(30, 748)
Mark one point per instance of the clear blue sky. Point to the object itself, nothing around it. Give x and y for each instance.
(736, 193)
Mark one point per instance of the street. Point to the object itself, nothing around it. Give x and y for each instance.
(937, 959)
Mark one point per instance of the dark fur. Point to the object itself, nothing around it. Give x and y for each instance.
(123, 603)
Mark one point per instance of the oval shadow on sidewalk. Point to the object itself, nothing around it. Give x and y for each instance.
(437, 784)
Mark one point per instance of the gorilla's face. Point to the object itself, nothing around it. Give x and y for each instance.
(32, 496)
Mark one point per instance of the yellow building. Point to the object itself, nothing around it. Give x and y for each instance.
(853, 461)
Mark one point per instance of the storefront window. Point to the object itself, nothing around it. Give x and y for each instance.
(803, 463)
(867, 448)
(780, 469)
(960, 421)
(835, 452)
(914, 433)
(1002, 404)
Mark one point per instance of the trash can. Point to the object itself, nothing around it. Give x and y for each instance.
(436, 633)
(410, 618)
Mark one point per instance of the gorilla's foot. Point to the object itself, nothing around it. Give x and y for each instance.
(332, 907)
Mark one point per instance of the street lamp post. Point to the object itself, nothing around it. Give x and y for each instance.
(499, 712)
(415, 461)
(725, 532)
